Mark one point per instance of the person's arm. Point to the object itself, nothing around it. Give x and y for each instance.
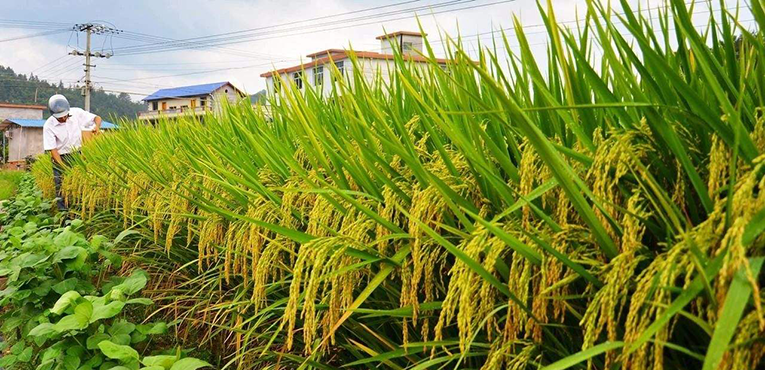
(49, 144)
(97, 121)
(56, 156)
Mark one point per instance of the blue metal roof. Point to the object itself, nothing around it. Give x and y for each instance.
(41, 122)
(179, 92)
(28, 122)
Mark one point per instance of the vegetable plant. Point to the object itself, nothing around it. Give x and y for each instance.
(63, 306)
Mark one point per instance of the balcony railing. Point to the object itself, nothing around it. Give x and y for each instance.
(170, 113)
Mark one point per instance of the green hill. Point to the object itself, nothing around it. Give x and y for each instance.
(22, 89)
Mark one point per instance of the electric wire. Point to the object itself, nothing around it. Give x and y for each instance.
(250, 36)
(187, 74)
(39, 34)
(48, 64)
(512, 30)
(59, 69)
(136, 36)
(299, 21)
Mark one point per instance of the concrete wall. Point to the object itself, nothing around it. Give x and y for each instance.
(25, 141)
(21, 113)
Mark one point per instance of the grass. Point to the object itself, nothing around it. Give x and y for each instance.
(597, 211)
(9, 181)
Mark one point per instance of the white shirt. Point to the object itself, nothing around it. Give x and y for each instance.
(67, 136)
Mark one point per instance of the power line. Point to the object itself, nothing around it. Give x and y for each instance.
(126, 92)
(39, 34)
(342, 27)
(55, 70)
(124, 68)
(575, 21)
(47, 64)
(184, 44)
(149, 39)
(61, 68)
(228, 39)
(194, 39)
(24, 24)
(133, 83)
(185, 63)
(186, 74)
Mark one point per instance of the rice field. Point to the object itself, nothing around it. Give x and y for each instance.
(602, 210)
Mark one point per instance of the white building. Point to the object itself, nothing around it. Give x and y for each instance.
(317, 72)
(194, 100)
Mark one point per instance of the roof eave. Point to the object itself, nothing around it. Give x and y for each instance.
(401, 33)
(24, 106)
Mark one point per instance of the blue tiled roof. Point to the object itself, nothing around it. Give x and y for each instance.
(179, 92)
(41, 122)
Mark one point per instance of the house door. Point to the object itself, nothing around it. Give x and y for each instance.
(164, 105)
(193, 104)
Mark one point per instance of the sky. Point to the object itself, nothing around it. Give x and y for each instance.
(263, 34)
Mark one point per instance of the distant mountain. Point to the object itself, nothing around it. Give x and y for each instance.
(258, 97)
(22, 89)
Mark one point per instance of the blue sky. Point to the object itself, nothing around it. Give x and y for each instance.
(240, 63)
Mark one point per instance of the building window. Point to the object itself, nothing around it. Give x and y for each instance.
(202, 101)
(154, 105)
(318, 75)
(340, 68)
(298, 78)
(407, 46)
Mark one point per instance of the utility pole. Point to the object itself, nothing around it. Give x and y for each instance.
(90, 29)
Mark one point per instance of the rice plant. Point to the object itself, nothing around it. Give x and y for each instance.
(602, 210)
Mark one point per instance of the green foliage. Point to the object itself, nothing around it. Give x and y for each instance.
(9, 180)
(62, 318)
(27, 206)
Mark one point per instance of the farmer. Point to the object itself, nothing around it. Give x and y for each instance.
(62, 136)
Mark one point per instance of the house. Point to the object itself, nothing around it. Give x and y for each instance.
(24, 138)
(10, 110)
(195, 100)
(317, 71)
